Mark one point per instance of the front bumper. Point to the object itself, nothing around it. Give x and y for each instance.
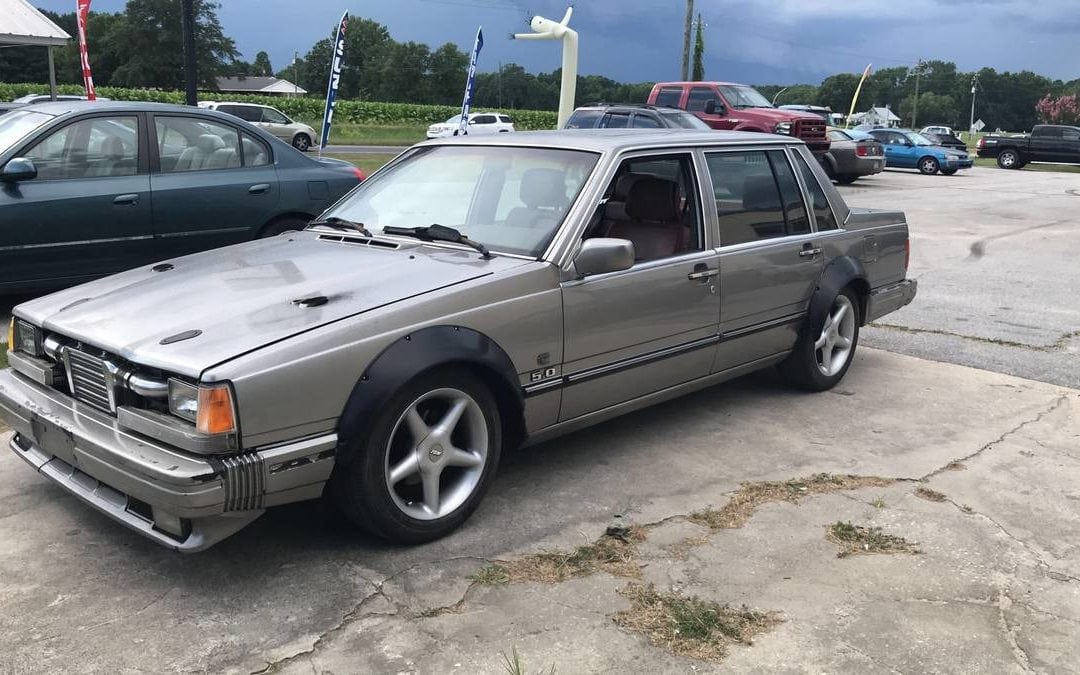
(890, 298)
(183, 501)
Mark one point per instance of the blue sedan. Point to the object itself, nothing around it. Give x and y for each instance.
(909, 150)
(92, 188)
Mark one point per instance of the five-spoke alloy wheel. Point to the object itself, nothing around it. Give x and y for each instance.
(426, 459)
(833, 346)
(824, 352)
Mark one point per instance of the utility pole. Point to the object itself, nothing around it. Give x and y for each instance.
(187, 21)
(915, 112)
(295, 73)
(974, 86)
(686, 39)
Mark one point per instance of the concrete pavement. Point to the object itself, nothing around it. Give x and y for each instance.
(996, 587)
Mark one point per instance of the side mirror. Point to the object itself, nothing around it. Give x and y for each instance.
(17, 169)
(601, 255)
(710, 107)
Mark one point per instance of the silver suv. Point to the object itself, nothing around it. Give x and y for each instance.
(271, 120)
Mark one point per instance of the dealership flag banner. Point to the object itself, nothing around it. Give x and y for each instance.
(82, 12)
(855, 98)
(466, 103)
(335, 80)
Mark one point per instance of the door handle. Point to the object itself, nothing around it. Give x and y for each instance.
(130, 200)
(259, 189)
(702, 272)
(809, 252)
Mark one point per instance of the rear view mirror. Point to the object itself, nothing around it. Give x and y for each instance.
(601, 255)
(18, 168)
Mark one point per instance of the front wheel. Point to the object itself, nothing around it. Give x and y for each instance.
(823, 353)
(427, 462)
(301, 142)
(1009, 159)
(928, 166)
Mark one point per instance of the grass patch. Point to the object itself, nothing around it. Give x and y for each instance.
(854, 539)
(368, 163)
(741, 506)
(610, 553)
(929, 495)
(878, 503)
(515, 666)
(690, 626)
(1056, 168)
(3, 356)
(347, 133)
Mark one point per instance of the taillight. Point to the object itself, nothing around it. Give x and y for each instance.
(907, 254)
(359, 175)
(862, 150)
(981, 143)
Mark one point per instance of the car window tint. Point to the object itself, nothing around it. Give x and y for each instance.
(1071, 134)
(584, 119)
(699, 96)
(193, 144)
(652, 202)
(505, 119)
(748, 203)
(794, 209)
(273, 117)
(249, 113)
(818, 203)
(669, 96)
(93, 148)
(615, 121)
(256, 153)
(484, 119)
(642, 121)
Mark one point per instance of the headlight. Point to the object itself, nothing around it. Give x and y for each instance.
(783, 128)
(26, 338)
(210, 407)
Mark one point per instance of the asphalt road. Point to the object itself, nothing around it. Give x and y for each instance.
(997, 256)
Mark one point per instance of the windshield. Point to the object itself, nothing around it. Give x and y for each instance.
(455, 120)
(684, 120)
(919, 139)
(742, 96)
(510, 199)
(17, 124)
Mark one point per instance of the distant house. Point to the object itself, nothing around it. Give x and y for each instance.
(877, 116)
(264, 86)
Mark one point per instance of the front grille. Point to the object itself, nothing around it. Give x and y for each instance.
(244, 483)
(89, 379)
(810, 130)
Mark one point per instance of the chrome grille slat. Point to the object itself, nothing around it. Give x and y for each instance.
(244, 484)
(89, 378)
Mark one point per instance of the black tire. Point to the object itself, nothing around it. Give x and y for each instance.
(283, 224)
(361, 487)
(301, 142)
(801, 367)
(928, 166)
(847, 179)
(1009, 159)
(829, 170)
(949, 172)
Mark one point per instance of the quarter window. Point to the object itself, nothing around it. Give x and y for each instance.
(93, 148)
(192, 144)
(756, 196)
(818, 203)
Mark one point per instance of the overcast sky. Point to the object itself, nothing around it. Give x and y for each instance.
(754, 41)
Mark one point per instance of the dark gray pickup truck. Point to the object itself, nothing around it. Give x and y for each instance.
(1046, 143)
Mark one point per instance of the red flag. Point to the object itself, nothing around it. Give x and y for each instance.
(83, 7)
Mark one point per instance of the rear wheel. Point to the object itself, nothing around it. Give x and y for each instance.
(928, 166)
(1009, 159)
(430, 456)
(823, 353)
(301, 142)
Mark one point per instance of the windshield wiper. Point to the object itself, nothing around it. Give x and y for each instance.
(343, 224)
(437, 232)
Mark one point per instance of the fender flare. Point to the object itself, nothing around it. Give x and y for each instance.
(416, 353)
(839, 273)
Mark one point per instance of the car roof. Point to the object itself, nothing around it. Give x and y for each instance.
(57, 108)
(633, 106)
(616, 140)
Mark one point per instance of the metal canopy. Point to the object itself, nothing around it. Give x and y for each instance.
(22, 25)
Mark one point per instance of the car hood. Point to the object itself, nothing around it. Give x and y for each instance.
(778, 115)
(247, 296)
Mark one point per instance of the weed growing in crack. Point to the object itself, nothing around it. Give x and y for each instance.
(690, 626)
(741, 506)
(491, 575)
(929, 495)
(878, 503)
(513, 664)
(611, 554)
(854, 539)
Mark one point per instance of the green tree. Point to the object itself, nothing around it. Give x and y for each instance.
(697, 72)
(836, 92)
(404, 75)
(152, 39)
(448, 68)
(933, 109)
(261, 66)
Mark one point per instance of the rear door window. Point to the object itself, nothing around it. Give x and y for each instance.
(192, 144)
(643, 121)
(757, 196)
(615, 121)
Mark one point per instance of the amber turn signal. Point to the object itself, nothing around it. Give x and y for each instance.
(216, 413)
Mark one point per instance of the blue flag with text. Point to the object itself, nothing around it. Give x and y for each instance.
(335, 79)
(466, 103)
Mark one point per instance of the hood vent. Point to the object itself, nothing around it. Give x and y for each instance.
(358, 240)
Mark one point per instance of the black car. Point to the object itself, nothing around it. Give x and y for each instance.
(946, 141)
(92, 188)
(623, 116)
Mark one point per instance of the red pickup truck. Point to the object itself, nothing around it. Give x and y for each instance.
(725, 105)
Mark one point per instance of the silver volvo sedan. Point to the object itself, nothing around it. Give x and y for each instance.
(472, 295)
